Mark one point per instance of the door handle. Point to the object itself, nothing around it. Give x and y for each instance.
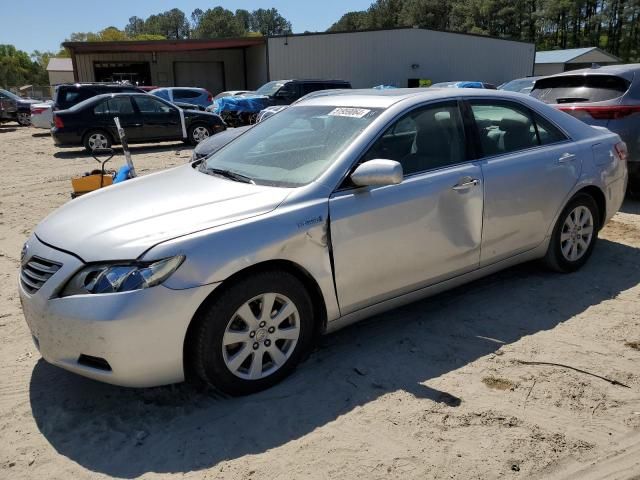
(566, 157)
(466, 183)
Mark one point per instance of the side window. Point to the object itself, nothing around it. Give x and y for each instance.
(120, 106)
(547, 132)
(289, 90)
(503, 127)
(311, 87)
(102, 108)
(185, 94)
(151, 105)
(425, 139)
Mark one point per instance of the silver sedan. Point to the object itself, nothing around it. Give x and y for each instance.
(339, 207)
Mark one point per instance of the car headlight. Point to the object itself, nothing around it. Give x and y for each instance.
(121, 277)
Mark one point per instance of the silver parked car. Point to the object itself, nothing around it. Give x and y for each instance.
(339, 207)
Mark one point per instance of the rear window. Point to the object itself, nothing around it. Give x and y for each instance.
(186, 94)
(579, 88)
(68, 98)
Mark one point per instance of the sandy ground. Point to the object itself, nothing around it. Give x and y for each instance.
(432, 390)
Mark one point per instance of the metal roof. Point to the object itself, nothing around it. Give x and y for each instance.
(60, 65)
(566, 56)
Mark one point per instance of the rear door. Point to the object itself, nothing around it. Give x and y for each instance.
(161, 120)
(119, 106)
(529, 167)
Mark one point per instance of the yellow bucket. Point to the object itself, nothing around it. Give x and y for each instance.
(89, 183)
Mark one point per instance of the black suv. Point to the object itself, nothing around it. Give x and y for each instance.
(68, 94)
(285, 92)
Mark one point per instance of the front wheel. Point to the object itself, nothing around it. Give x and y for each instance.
(574, 235)
(254, 334)
(198, 133)
(24, 119)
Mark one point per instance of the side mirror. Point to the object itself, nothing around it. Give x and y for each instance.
(377, 172)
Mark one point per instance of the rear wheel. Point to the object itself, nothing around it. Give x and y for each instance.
(24, 119)
(574, 235)
(198, 133)
(97, 139)
(254, 334)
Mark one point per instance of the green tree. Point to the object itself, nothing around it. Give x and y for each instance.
(17, 68)
(349, 22)
(244, 17)
(269, 22)
(218, 22)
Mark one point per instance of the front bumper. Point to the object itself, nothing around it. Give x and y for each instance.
(140, 334)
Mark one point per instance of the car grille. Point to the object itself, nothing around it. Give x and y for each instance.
(36, 272)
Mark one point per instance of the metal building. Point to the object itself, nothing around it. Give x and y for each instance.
(550, 62)
(400, 57)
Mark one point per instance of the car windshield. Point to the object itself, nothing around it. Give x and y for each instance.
(11, 95)
(292, 148)
(269, 89)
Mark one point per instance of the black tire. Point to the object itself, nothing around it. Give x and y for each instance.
(86, 141)
(192, 132)
(205, 351)
(555, 259)
(23, 119)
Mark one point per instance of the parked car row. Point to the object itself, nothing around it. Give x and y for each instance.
(14, 108)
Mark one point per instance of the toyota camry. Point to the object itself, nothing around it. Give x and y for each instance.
(342, 206)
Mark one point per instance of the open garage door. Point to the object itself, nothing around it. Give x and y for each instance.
(209, 75)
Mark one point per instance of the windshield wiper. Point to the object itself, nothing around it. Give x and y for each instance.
(238, 177)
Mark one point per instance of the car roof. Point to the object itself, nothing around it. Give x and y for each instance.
(310, 80)
(372, 98)
(627, 71)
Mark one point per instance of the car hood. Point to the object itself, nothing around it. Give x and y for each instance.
(122, 221)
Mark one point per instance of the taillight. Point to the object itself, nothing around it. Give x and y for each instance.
(37, 111)
(209, 97)
(58, 122)
(612, 112)
(621, 150)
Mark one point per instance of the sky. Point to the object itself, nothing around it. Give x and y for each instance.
(42, 24)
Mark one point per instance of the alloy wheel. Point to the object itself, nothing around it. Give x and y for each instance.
(577, 233)
(24, 119)
(98, 140)
(200, 134)
(261, 336)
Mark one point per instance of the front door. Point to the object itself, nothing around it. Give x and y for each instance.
(161, 120)
(529, 168)
(390, 240)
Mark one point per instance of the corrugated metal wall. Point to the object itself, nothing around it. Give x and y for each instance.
(391, 57)
(256, 66)
(162, 72)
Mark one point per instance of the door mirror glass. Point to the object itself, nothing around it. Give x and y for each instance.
(377, 172)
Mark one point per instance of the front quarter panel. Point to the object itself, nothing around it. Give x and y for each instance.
(296, 233)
